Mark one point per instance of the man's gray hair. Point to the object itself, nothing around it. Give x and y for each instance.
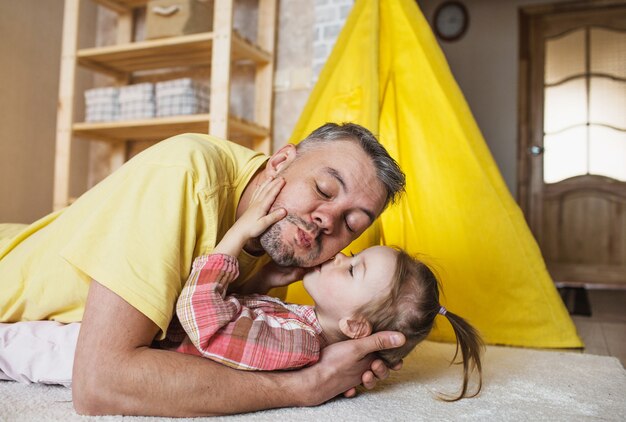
(387, 169)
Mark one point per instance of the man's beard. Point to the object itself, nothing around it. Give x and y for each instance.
(284, 254)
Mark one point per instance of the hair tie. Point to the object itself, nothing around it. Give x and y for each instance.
(443, 310)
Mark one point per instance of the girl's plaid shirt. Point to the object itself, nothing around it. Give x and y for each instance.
(254, 332)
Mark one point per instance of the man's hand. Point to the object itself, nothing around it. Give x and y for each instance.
(378, 372)
(346, 364)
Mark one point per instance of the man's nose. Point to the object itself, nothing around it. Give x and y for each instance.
(325, 219)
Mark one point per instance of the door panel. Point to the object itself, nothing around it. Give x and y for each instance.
(573, 138)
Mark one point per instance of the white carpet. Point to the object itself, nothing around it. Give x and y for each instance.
(519, 385)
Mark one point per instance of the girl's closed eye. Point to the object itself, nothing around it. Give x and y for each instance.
(351, 270)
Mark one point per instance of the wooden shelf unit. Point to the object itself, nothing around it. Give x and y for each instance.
(127, 62)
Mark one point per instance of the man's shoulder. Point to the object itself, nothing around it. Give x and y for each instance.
(205, 144)
(200, 152)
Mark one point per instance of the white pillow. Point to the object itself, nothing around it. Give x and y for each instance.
(38, 352)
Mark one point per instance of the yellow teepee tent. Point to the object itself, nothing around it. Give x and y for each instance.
(387, 73)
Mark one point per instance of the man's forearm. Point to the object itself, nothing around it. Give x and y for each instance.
(115, 372)
(164, 383)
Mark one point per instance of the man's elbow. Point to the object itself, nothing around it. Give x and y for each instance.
(89, 394)
(84, 403)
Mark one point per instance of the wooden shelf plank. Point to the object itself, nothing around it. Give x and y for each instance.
(151, 54)
(242, 127)
(244, 49)
(186, 50)
(145, 129)
(122, 6)
(160, 128)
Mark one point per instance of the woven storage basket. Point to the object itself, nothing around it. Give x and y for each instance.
(181, 96)
(137, 101)
(102, 104)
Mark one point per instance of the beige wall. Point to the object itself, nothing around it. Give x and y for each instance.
(484, 63)
(30, 48)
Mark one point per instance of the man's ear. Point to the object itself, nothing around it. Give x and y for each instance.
(355, 327)
(281, 159)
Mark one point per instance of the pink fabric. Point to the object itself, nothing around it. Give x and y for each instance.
(38, 352)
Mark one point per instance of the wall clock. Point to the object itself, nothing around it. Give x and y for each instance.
(451, 20)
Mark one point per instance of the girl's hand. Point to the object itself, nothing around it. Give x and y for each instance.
(255, 220)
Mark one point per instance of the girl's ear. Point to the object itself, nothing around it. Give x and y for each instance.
(355, 327)
(281, 159)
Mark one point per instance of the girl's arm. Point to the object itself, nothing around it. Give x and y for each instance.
(201, 308)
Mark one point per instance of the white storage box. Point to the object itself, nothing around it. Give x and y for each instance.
(181, 96)
(137, 101)
(102, 104)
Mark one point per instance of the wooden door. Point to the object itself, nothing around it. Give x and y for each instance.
(572, 143)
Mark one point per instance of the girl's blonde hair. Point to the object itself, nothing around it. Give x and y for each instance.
(411, 308)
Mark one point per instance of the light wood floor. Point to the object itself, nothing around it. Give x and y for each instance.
(604, 332)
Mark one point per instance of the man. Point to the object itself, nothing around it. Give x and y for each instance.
(118, 257)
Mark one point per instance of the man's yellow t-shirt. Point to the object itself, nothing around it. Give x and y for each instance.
(137, 233)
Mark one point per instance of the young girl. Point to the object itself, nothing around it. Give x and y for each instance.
(381, 288)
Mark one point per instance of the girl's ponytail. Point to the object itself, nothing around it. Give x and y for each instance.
(471, 345)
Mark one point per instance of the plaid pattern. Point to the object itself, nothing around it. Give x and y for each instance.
(181, 96)
(102, 104)
(254, 332)
(137, 101)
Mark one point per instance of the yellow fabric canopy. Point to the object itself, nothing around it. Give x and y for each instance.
(387, 73)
